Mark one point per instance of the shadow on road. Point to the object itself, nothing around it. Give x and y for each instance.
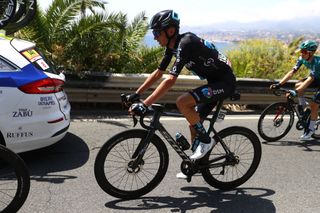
(115, 123)
(249, 200)
(310, 146)
(69, 153)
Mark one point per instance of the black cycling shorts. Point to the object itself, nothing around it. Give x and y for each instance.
(208, 95)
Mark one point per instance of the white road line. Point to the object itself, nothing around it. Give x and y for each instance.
(226, 118)
(165, 118)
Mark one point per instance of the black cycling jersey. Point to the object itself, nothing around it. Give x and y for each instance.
(199, 56)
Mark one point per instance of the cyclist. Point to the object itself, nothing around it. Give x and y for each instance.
(312, 62)
(200, 57)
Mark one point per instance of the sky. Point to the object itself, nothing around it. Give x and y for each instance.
(205, 12)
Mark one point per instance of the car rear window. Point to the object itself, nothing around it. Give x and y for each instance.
(6, 66)
(39, 60)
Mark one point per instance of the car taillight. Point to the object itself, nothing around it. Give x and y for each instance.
(43, 86)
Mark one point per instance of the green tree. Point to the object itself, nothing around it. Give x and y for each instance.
(82, 36)
(263, 58)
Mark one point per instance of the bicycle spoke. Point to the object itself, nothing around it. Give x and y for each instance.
(275, 121)
(117, 165)
(242, 148)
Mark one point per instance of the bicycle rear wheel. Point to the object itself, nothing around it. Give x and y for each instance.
(28, 13)
(7, 11)
(20, 10)
(238, 167)
(275, 121)
(113, 170)
(14, 181)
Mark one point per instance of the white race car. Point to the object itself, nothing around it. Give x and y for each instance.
(34, 109)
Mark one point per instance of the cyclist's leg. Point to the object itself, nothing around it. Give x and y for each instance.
(209, 93)
(186, 104)
(301, 100)
(314, 105)
(203, 109)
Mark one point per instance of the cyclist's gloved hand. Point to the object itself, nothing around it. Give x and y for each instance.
(132, 98)
(138, 109)
(293, 93)
(275, 86)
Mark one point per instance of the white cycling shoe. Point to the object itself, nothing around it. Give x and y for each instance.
(180, 175)
(202, 150)
(307, 135)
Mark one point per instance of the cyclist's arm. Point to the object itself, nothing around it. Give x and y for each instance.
(154, 77)
(162, 88)
(157, 74)
(304, 85)
(287, 77)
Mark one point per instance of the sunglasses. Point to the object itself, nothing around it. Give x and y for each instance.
(304, 51)
(156, 33)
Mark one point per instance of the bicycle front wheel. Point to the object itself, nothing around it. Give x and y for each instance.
(238, 166)
(14, 181)
(275, 121)
(113, 170)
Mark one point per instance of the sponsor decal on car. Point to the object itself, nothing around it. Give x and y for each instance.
(46, 101)
(32, 55)
(19, 134)
(43, 64)
(22, 113)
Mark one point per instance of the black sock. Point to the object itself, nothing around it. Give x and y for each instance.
(201, 133)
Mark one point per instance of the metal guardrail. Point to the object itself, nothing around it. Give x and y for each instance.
(106, 88)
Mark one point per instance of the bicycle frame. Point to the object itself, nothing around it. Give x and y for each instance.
(124, 175)
(291, 103)
(156, 125)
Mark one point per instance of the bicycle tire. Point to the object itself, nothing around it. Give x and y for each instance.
(271, 127)
(114, 176)
(31, 8)
(14, 179)
(20, 10)
(7, 11)
(238, 140)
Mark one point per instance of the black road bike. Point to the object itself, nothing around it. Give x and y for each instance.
(133, 162)
(14, 181)
(277, 119)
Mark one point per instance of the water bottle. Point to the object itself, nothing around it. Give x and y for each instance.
(182, 141)
(221, 115)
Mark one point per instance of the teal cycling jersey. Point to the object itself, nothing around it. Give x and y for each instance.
(313, 66)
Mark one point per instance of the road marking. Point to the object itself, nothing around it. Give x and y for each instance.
(166, 118)
(255, 117)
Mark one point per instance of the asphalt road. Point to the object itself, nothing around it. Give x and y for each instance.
(62, 178)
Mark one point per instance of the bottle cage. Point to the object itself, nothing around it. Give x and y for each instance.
(24, 12)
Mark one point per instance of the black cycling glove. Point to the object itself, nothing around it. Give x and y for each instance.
(275, 86)
(293, 93)
(139, 108)
(132, 98)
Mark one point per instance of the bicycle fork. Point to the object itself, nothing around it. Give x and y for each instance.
(140, 151)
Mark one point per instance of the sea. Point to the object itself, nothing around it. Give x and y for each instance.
(222, 46)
